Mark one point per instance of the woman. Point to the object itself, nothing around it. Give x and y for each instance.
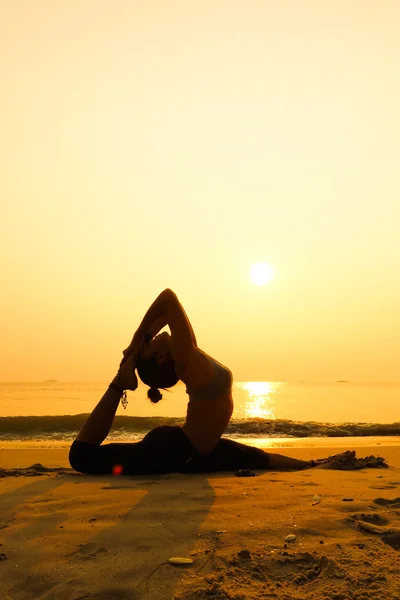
(196, 446)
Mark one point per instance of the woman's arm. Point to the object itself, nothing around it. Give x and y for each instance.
(165, 310)
(159, 315)
(157, 326)
(153, 321)
(138, 338)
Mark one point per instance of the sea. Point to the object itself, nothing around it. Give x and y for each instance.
(49, 414)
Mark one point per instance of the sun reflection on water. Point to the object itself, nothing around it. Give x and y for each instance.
(260, 402)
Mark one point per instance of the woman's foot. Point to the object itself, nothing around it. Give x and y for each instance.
(336, 459)
(126, 376)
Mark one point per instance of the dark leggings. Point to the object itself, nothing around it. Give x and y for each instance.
(165, 449)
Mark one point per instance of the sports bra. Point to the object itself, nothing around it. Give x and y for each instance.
(220, 384)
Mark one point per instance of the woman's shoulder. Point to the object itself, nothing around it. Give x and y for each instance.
(206, 371)
(198, 369)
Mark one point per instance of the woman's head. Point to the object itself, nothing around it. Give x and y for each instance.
(156, 367)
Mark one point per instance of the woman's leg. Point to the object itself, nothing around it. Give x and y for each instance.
(98, 424)
(164, 449)
(86, 455)
(109, 459)
(230, 455)
(279, 461)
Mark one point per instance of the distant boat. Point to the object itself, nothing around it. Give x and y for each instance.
(50, 381)
(342, 381)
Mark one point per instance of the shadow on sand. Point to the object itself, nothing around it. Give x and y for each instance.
(118, 561)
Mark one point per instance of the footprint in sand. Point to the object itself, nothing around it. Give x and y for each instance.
(6, 524)
(395, 503)
(90, 549)
(393, 539)
(373, 518)
(108, 594)
(374, 523)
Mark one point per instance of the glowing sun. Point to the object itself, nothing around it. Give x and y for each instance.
(261, 273)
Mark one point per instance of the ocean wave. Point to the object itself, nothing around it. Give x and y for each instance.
(66, 426)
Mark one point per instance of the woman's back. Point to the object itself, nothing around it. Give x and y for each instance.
(209, 408)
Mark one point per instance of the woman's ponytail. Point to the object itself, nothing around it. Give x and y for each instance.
(154, 394)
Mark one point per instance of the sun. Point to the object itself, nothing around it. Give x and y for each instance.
(261, 273)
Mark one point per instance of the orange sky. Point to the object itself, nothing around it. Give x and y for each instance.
(159, 144)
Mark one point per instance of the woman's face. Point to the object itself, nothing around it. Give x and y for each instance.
(158, 347)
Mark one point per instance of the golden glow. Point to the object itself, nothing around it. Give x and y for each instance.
(261, 273)
(260, 402)
(144, 148)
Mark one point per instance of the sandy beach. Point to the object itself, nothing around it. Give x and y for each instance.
(67, 536)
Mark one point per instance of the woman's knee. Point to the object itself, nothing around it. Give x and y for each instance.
(162, 435)
(78, 457)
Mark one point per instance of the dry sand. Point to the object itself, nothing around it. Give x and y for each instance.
(68, 536)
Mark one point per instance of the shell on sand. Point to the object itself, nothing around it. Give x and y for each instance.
(180, 560)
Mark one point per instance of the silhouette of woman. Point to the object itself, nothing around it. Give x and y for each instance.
(196, 446)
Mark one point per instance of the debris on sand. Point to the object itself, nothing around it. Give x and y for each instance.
(347, 461)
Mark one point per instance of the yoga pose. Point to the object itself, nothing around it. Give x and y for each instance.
(196, 446)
